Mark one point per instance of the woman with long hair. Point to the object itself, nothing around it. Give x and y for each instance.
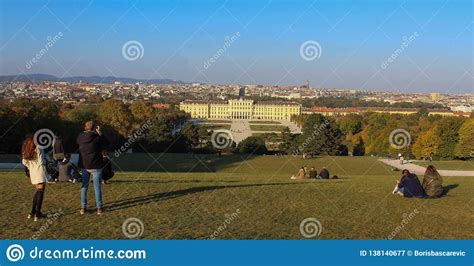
(34, 161)
(432, 182)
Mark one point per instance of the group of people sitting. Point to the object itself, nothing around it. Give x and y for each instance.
(313, 174)
(409, 185)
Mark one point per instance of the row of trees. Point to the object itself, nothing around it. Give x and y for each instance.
(418, 135)
(119, 121)
(171, 131)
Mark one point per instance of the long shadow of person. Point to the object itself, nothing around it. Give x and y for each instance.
(140, 200)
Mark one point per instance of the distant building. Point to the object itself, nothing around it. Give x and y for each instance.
(241, 109)
(333, 111)
(161, 106)
(435, 97)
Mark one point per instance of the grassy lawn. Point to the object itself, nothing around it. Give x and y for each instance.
(450, 165)
(266, 127)
(264, 122)
(189, 196)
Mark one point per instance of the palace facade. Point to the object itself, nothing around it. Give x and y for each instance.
(241, 109)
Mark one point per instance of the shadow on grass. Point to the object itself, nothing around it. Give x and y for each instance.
(448, 188)
(136, 201)
(179, 162)
(172, 181)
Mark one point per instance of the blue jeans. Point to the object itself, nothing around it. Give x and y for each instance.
(97, 176)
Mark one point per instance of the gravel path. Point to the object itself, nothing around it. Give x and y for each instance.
(419, 170)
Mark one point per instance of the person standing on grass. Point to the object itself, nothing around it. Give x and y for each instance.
(34, 162)
(91, 144)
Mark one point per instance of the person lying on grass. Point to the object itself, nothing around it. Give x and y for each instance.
(409, 186)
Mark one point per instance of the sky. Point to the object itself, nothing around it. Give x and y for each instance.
(405, 46)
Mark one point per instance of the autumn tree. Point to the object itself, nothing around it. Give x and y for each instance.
(465, 146)
(115, 114)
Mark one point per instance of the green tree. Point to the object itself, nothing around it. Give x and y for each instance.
(351, 123)
(82, 113)
(320, 135)
(287, 141)
(447, 134)
(253, 145)
(190, 134)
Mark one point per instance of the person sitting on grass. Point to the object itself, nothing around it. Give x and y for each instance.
(67, 170)
(300, 175)
(432, 182)
(313, 174)
(409, 186)
(324, 174)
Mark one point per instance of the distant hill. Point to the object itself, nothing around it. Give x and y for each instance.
(86, 79)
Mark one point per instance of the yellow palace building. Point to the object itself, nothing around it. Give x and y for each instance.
(241, 109)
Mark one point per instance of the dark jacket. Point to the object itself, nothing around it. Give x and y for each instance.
(58, 149)
(313, 173)
(324, 174)
(411, 186)
(91, 145)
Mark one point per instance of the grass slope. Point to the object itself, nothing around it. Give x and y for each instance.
(187, 196)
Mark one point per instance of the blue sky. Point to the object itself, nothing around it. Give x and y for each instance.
(179, 37)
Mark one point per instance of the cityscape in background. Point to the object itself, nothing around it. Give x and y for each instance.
(172, 94)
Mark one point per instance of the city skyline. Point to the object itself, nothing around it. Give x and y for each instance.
(390, 46)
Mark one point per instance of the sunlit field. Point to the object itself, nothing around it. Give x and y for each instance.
(188, 196)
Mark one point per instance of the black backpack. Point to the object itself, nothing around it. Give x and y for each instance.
(107, 172)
